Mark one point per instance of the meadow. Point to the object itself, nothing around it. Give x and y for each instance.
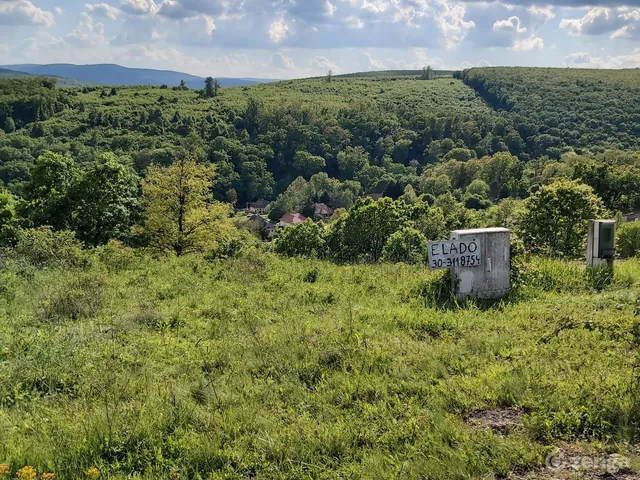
(265, 367)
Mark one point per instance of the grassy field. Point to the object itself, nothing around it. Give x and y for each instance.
(261, 367)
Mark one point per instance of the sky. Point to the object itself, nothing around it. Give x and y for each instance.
(301, 38)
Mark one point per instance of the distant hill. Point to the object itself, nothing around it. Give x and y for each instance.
(4, 73)
(111, 74)
(62, 81)
(394, 73)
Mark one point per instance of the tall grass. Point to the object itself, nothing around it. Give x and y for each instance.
(279, 368)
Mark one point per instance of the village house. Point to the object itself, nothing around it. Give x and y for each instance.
(633, 217)
(292, 218)
(264, 225)
(322, 211)
(259, 206)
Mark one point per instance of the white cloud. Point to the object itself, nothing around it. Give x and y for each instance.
(57, 11)
(512, 24)
(622, 22)
(531, 43)
(139, 7)
(324, 64)
(103, 10)
(87, 34)
(23, 12)
(542, 13)
(192, 31)
(280, 60)
(586, 60)
(353, 22)
(278, 30)
(330, 8)
(373, 64)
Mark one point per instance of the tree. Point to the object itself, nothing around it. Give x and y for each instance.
(498, 171)
(211, 87)
(180, 214)
(478, 188)
(407, 245)
(364, 231)
(105, 201)
(629, 239)
(9, 125)
(435, 186)
(351, 161)
(555, 218)
(306, 164)
(303, 240)
(409, 196)
(9, 220)
(48, 193)
(329, 76)
(427, 73)
(183, 85)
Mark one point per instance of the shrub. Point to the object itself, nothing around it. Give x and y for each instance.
(555, 218)
(42, 247)
(629, 239)
(407, 245)
(81, 298)
(232, 245)
(115, 255)
(436, 289)
(304, 240)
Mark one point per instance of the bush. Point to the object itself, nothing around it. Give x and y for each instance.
(42, 247)
(304, 240)
(435, 289)
(629, 239)
(232, 245)
(555, 218)
(407, 245)
(115, 255)
(81, 298)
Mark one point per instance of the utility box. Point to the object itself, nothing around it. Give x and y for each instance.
(601, 243)
(489, 276)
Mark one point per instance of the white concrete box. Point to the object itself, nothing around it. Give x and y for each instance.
(491, 279)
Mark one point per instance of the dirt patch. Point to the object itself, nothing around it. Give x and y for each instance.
(500, 420)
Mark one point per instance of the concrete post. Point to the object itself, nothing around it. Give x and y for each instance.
(492, 278)
(601, 237)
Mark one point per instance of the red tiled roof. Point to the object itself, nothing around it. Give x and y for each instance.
(293, 217)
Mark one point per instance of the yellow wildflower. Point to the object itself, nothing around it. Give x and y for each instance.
(93, 473)
(48, 476)
(26, 473)
(5, 471)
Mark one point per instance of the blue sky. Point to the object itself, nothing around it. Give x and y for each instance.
(297, 38)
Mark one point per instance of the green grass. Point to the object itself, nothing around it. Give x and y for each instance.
(272, 368)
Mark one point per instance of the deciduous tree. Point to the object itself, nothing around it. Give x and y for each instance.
(181, 216)
(555, 218)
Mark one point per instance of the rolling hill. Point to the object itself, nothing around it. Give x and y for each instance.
(4, 73)
(111, 74)
(62, 82)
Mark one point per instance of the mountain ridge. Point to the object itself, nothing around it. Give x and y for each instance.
(114, 74)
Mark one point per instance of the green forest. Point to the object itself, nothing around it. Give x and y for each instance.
(151, 326)
(508, 129)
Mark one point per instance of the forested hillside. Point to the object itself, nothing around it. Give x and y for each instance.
(333, 139)
(564, 107)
